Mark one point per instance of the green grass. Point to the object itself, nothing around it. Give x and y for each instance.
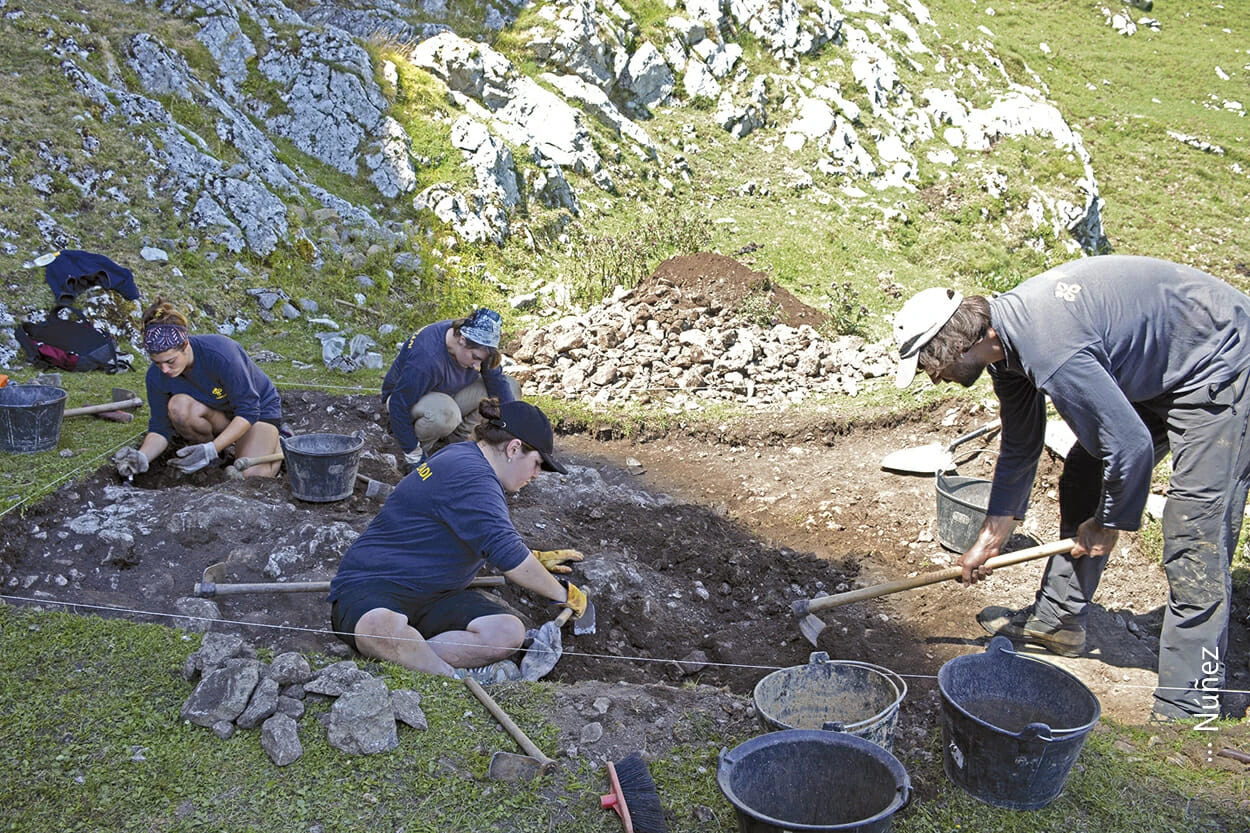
(90, 739)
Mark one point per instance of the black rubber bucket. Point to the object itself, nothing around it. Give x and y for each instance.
(1012, 725)
(322, 467)
(30, 418)
(961, 505)
(834, 695)
(807, 779)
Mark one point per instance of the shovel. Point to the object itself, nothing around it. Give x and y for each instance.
(932, 458)
(212, 584)
(509, 766)
(114, 411)
(806, 609)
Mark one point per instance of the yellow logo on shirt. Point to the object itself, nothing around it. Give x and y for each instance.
(219, 393)
(424, 471)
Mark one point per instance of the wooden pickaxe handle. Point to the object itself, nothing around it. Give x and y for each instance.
(499, 714)
(247, 462)
(935, 577)
(134, 402)
(205, 589)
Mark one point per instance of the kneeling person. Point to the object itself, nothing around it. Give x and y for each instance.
(402, 590)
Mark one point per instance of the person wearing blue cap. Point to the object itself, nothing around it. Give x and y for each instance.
(1140, 357)
(432, 388)
(402, 590)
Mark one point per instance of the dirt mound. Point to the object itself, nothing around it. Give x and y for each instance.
(721, 282)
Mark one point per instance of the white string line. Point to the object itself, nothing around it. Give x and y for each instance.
(92, 463)
(617, 657)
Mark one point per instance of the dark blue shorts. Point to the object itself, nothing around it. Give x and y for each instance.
(429, 613)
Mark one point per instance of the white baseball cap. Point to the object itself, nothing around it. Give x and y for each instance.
(917, 323)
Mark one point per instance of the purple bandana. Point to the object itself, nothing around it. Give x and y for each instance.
(161, 337)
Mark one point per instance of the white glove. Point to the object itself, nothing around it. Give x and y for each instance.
(130, 461)
(194, 457)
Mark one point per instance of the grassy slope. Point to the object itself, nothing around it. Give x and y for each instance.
(77, 695)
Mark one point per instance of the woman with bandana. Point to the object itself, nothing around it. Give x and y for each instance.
(206, 390)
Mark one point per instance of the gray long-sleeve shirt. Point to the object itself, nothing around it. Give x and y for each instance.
(1099, 335)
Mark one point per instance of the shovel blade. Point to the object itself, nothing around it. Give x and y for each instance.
(513, 768)
(926, 459)
(811, 626)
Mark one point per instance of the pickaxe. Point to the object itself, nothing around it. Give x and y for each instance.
(811, 626)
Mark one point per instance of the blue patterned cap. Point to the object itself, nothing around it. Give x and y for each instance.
(483, 327)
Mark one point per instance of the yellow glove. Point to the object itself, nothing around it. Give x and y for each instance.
(554, 560)
(576, 600)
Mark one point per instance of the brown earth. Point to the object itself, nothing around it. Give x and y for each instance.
(764, 511)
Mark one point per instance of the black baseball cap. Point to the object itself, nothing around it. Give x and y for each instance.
(531, 426)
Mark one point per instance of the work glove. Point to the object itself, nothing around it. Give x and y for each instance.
(554, 560)
(576, 599)
(194, 457)
(130, 461)
(415, 459)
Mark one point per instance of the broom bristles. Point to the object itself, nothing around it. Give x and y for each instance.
(639, 795)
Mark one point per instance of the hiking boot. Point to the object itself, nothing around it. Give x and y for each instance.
(502, 671)
(1022, 625)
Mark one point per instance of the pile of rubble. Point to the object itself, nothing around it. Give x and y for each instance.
(664, 341)
(238, 691)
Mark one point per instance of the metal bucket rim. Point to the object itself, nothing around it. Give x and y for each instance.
(1013, 656)
(896, 681)
(902, 792)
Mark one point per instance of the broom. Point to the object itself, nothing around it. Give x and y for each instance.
(634, 797)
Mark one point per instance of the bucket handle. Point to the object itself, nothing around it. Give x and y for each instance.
(1001, 645)
(1036, 732)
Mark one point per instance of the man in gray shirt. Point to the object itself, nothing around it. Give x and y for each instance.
(1139, 357)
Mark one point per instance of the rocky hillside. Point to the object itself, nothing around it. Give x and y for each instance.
(271, 140)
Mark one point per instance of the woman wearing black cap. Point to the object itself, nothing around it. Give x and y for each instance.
(402, 589)
(206, 390)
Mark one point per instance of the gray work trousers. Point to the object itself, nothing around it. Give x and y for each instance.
(1207, 435)
(438, 416)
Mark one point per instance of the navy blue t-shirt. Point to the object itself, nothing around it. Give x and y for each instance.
(1099, 335)
(436, 530)
(423, 366)
(221, 376)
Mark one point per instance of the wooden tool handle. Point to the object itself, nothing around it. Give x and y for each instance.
(563, 617)
(937, 576)
(247, 462)
(100, 409)
(242, 588)
(499, 714)
(211, 588)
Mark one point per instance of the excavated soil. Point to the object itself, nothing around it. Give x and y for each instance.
(693, 565)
